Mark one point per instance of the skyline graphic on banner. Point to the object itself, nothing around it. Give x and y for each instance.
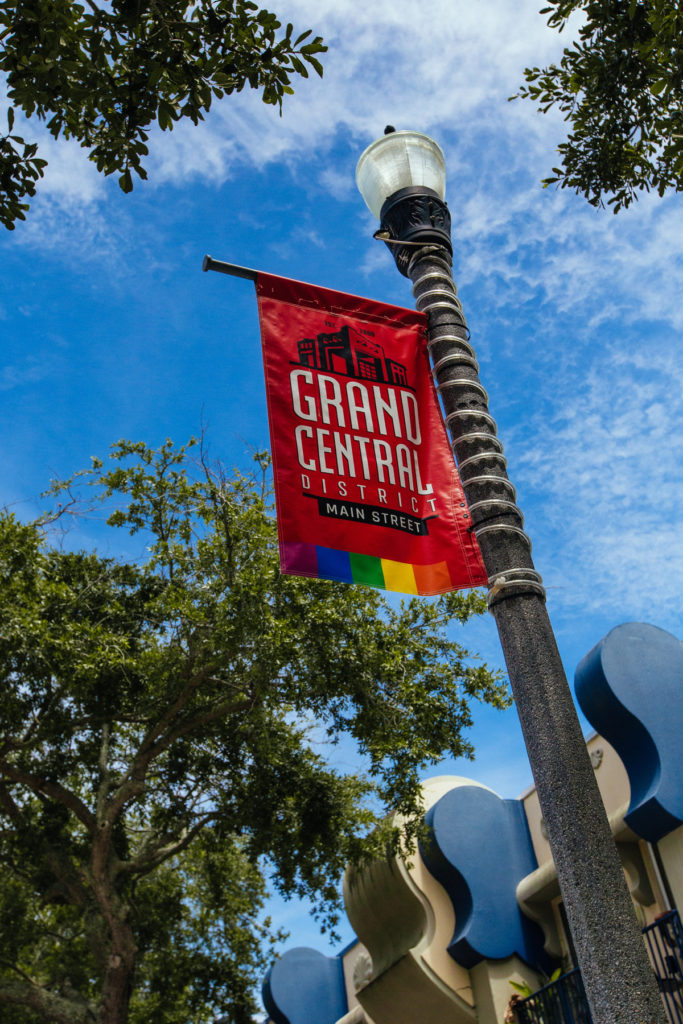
(366, 360)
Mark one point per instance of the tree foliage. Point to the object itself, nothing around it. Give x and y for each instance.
(105, 73)
(159, 728)
(620, 87)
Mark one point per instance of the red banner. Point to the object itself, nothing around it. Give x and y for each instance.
(366, 487)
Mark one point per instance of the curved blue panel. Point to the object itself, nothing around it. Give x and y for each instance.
(479, 850)
(630, 688)
(305, 987)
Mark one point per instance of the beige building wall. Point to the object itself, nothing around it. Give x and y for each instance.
(400, 971)
(612, 782)
(671, 852)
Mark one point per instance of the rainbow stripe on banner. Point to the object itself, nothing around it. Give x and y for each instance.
(300, 559)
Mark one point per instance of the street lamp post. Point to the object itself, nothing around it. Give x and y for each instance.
(402, 178)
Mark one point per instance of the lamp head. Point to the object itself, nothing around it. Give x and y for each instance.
(400, 160)
(402, 178)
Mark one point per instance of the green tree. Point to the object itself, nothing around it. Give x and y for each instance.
(159, 722)
(620, 87)
(104, 73)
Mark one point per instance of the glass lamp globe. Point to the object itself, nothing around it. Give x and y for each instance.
(396, 161)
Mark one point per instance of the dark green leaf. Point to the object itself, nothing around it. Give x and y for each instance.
(619, 89)
(104, 76)
(126, 181)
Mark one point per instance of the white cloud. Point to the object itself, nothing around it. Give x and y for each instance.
(427, 66)
(16, 375)
(605, 465)
(69, 176)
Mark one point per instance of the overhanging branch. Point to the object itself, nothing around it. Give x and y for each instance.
(55, 790)
(53, 1008)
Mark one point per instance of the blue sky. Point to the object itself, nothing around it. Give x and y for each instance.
(109, 328)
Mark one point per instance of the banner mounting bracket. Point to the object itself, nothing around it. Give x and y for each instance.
(209, 263)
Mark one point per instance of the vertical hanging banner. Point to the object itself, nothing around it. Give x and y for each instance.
(366, 487)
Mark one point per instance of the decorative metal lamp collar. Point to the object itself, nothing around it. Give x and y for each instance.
(402, 178)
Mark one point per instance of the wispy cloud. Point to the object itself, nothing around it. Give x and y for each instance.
(17, 375)
(606, 466)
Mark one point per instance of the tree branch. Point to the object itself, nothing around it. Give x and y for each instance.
(11, 809)
(152, 858)
(52, 789)
(135, 777)
(154, 743)
(105, 776)
(200, 718)
(53, 1008)
(62, 868)
(158, 730)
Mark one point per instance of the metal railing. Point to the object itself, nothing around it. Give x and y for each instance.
(559, 1002)
(564, 1001)
(664, 941)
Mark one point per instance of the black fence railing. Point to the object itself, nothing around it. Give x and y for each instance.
(664, 941)
(564, 1001)
(559, 1002)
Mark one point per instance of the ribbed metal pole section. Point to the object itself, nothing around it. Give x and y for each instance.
(616, 971)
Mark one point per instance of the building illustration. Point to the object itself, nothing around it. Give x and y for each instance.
(441, 935)
(359, 357)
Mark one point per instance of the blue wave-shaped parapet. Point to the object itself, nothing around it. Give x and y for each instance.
(630, 688)
(479, 849)
(305, 987)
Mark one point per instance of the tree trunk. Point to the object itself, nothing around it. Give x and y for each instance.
(117, 985)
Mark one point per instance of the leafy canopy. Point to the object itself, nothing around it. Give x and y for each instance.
(620, 87)
(163, 722)
(105, 73)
